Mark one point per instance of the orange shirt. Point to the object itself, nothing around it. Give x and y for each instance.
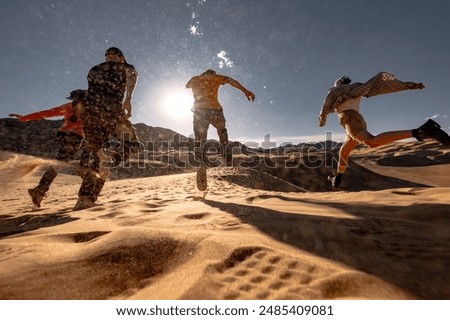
(65, 110)
(205, 89)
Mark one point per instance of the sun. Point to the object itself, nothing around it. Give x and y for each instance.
(177, 103)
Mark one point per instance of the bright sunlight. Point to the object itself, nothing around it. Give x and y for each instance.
(177, 103)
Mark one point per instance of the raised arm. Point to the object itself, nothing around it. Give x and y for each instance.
(50, 113)
(250, 96)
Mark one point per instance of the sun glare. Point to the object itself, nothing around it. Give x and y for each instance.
(177, 103)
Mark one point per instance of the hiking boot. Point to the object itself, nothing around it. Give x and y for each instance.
(84, 202)
(335, 179)
(36, 196)
(431, 130)
(89, 190)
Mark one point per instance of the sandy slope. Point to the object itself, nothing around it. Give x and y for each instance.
(151, 238)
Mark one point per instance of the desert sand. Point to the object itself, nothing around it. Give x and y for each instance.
(253, 235)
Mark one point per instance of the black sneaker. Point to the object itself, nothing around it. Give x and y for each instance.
(431, 130)
(36, 196)
(228, 159)
(335, 179)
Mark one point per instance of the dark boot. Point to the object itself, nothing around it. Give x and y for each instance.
(38, 193)
(90, 189)
(98, 188)
(227, 155)
(335, 179)
(227, 152)
(431, 130)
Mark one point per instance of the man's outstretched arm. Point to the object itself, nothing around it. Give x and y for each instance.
(250, 95)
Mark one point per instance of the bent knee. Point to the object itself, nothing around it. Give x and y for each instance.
(371, 144)
(368, 139)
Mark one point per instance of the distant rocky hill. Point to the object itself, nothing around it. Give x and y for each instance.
(37, 138)
(33, 138)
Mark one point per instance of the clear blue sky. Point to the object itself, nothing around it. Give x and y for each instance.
(287, 52)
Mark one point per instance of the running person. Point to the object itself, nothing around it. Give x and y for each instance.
(207, 109)
(344, 98)
(69, 136)
(101, 116)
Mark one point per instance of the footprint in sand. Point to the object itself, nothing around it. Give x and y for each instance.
(151, 208)
(87, 236)
(80, 237)
(262, 273)
(195, 216)
(258, 273)
(118, 201)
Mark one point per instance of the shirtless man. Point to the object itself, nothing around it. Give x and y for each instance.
(207, 109)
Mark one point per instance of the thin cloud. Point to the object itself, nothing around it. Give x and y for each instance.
(433, 116)
(225, 61)
(194, 29)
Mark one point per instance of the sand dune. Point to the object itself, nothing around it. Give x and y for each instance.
(253, 236)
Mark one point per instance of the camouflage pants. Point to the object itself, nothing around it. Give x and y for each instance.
(70, 143)
(98, 125)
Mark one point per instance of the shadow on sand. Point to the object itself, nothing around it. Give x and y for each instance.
(394, 243)
(15, 225)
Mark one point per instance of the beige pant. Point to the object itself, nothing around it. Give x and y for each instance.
(353, 123)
